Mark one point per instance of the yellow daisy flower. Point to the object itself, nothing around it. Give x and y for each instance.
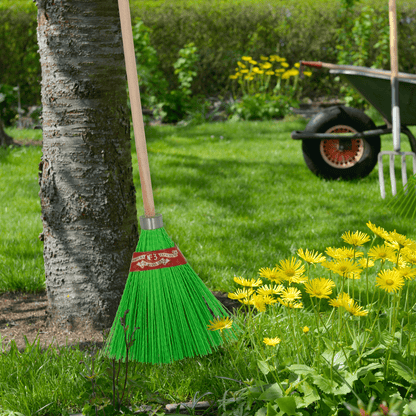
(241, 65)
(409, 255)
(307, 73)
(343, 300)
(343, 253)
(279, 71)
(258, 302)
(291, 270)
(290, 305)
(233, 76)
(356, 310)
(272, 341)
(320, 288)
(264, 58)
(269, 72)
(253, 62)
(267, 65)
(246, 58)
(271, 274)
(356, 239)
(268, 300)
(381, 232)
(305, 329)
(244, 71)
(363, 263)
(311, 257)
(407, 272)
(250, 283)
(241, 294)
(389, 280)
(284, 64)
(328, 264)
(220, 324)
(269, 290)
(398, 241)
(344, 267)
(291, 294)
(381, 252)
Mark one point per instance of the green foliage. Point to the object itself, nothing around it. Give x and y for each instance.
(19, 60)
(261, 107)
(185, 67)
(308, 32)
(8, 102)
(171, 105)
(266, 90)
(153, 85)
(359, 44)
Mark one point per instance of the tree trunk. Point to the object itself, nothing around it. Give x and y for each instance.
(5, 139)
(86, 184)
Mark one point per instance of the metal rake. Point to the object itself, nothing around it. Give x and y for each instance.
(391, 155)
(395, 113)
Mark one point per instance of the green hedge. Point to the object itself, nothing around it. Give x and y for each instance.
(222, 30)
(19, 60)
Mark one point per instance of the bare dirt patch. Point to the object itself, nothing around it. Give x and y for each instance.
(24, 314)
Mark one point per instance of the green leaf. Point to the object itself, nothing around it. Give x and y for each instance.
(376, 352)
(262, 411)
(363, 370)
(271, 410)
(310, 394)
(264, 367)
(324, 384)
(410, 409)
(287, 404)
(301, 369)
(272, 393)
(403, 371)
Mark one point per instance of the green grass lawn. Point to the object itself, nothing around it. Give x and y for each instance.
(235, 197)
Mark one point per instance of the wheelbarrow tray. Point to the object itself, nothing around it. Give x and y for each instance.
(376, 89)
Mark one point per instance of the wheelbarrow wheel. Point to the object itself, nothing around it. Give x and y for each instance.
(341, 159)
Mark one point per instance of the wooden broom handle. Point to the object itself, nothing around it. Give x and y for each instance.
(136, 108)
(393, 39)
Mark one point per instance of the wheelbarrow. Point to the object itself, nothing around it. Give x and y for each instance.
(343, 142)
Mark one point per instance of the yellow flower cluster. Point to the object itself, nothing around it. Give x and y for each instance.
(346, 262)
(250, 68)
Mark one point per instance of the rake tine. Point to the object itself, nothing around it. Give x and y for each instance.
(404, 172)
(392, 175)
(381, 176)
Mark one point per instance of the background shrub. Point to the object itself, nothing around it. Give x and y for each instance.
(223, 31)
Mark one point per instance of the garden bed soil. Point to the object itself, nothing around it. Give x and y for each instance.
(25, 314)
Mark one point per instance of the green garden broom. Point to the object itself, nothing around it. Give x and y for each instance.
(404, 203)
(165, 299)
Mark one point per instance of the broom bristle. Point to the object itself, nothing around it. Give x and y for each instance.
(170, 307)
(404, 203)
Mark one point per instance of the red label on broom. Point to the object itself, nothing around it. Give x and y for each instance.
(151, 260)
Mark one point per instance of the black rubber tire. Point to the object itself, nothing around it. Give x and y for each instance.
(360, 166)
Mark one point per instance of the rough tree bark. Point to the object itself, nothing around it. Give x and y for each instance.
(86, 184)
